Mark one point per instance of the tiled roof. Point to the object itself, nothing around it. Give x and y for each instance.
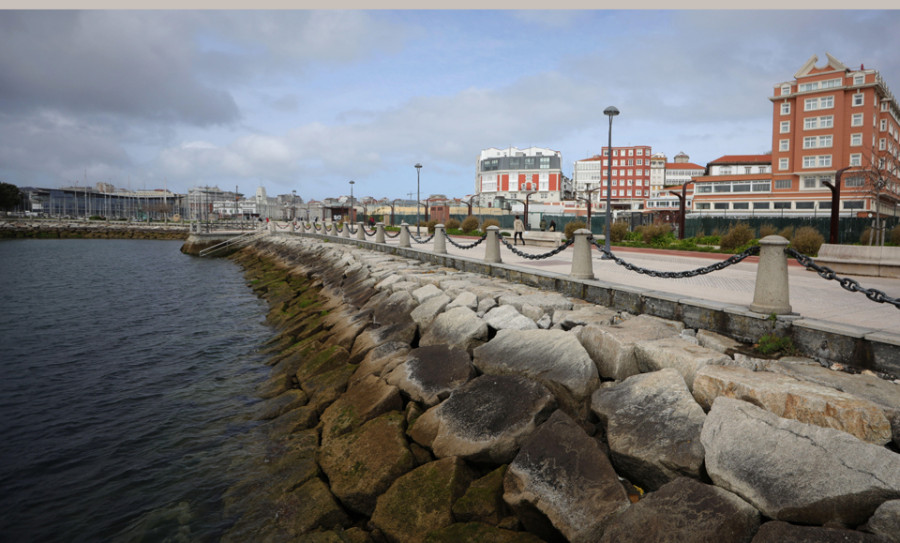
(743, 159)
(683, 166)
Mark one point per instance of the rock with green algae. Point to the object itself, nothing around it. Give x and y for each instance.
(363, 463)
(477, 532)
(325, 388)
(361, 402)
(298, 419)
(281, 404)
(422, 500)
(483, 501)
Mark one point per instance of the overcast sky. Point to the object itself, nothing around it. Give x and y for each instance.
(308, 100)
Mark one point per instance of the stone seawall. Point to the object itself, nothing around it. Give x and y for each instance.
(90, 230)
(409, 402)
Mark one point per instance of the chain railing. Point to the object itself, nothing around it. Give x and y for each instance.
(849, 284)
(529, 256)
(466, 246)
(417, 240)
(350, 228)
(317, 226)
(388, 234)
(721, 265)
(368, 233)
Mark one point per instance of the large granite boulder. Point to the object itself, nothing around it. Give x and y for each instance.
(428, 310)
(401, 331)
(544, 302)
(431, 373)
(552, 357)
(381, 360)
(472, 532)
(362, 402)
(458, 327)
(486, 419)
(652, 426)
(794, 471)
(611, 346)
(281, 404)
(396, 307)
(562, 483)
(677, 353)
(464, 299)
(506, 317)
(886, 521)
(422, 500)
(363, 463)
(792, 399)
(583, 315)
(784, 532)
(483, 500)
(428, 291)
(880, 391)
(685, 510)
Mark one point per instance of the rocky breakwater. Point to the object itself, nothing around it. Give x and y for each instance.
(45, 229)
(411, 403)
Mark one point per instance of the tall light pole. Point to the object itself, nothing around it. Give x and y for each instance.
(418, 197)
(611, 111)
(350, 213)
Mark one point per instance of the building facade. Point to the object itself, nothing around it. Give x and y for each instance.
(828, 119)
(666, 177)
(736, 184)
(630, 182)
(509, 175)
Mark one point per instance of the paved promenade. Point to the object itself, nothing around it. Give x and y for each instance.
(811, 296)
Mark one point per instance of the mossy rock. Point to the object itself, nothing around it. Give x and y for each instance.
(477, 532)
(483, 501)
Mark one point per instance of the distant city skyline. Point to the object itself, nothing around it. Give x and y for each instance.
(306, 101)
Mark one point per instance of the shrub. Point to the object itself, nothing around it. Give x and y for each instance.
(864, 237)
(895, 235)
(452, 224)
(571, 227)
(430, 225)
(653, 233)
(489, 222)
(770, 344)
(470, 224)
(707, 240)
(767, 230)
(737, 236)
(618, 230)
(807, 240)
(787, 232)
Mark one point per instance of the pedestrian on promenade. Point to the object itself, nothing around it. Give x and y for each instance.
(553, 226)
(518, 228)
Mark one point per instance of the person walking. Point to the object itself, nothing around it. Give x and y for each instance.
(518, 228)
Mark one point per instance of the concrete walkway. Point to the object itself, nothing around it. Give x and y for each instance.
(811, 296)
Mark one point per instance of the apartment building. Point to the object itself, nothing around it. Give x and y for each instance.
(666, 177)
(630, 186)
(740, 184)
(829, 118)
(512, 173)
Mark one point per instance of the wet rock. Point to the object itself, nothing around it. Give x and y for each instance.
(794, 471)
(486, 419)
(653, 427)
(431, 373)
(381, 359)
(685, 510)
(363, 463)
(422, 500)
(396, 307)
(552, 357)
(483, 501)
(612, 346)
(458, 327)
(479, 532)
(792, 399)
(561, 482)
(361, 403)
(675, 352)
(281, 404)
(400, 331)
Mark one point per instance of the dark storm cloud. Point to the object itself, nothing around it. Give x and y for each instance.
(135, 64)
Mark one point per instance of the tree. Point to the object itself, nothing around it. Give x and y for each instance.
(881, 180)
(10, 196)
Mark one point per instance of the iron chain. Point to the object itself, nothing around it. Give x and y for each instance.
(468, 246)
(554, 252)
(394, 235)
(849, 284)
(733, 259)
(417, 240)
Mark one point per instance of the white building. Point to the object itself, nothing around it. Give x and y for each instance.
(666, 177)
(512, 173)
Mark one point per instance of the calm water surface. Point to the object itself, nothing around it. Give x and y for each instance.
(126, 378)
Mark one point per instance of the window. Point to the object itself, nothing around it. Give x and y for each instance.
(781, 205)
(785, 108)
(883, 126)
(545, 162)
(725, 170)
(782, 183)
(783, 164)
(814, 161)
(855, 181)
(884, 106)
(760, 205)
(640, 162)
(721, 205)
(812, 123)
(784, 145)
(631, 152)
(805, 205)
(490, 164)
(856, 119)
(543, 182)
(881, 144)
(703, 205)
(854, 204)
(822, 102)
(741, 205)
(785, 127)
(856, 139)
(815, 142)
(785, 90)
(825, 205)
(615, 192)
(859, 79)
(856, 159)
(489, 183)
(748, 169)
(858, 99)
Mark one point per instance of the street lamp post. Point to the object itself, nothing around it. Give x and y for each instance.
(350, 213)
(611, 112)
(418, 197)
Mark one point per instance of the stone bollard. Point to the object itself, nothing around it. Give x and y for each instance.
(404, 235)
(346, 231)
(771, 294)
(379, 233)
(440, 242)
(360, 230)
(582, 265)
(492, 249)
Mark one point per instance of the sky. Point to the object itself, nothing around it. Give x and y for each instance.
(308, 100)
